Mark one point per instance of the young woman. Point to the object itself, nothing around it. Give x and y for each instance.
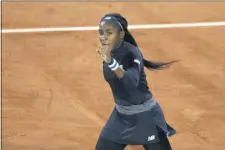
(137, 118)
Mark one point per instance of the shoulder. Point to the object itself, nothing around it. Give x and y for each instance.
(133, 50)
(134, 54)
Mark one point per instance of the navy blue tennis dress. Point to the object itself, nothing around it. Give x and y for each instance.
(136, 115)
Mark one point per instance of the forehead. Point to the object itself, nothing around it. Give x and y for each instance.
(106, 26)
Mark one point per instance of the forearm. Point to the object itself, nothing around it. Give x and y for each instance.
(128, 77)
(114, 66)
(119, 72)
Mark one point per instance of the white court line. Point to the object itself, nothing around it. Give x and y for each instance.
(92, 28)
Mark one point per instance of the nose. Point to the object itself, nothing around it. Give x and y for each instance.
(103, 38)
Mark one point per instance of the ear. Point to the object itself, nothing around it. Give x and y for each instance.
(122, 34)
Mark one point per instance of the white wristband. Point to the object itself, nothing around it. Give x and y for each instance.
(114, 65)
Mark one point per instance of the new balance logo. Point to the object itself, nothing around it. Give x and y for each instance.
(150, 138)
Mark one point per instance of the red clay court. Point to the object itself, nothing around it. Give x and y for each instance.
(54, 96)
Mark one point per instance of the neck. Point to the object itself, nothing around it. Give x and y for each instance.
(117, 45)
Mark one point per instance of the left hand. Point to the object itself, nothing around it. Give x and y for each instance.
(104, 52)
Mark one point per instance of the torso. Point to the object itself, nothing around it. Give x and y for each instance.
(123, 56)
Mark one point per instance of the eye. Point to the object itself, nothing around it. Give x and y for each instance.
(101, 32)
(109, 33)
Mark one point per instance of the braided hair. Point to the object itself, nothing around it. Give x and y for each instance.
(130, 39)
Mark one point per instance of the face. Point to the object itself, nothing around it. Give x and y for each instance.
(109, 34)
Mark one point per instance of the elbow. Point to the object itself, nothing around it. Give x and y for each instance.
(135, 82)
